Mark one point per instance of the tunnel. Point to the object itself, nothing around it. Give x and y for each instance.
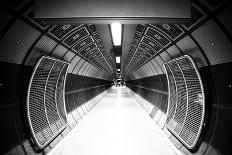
(64, 90)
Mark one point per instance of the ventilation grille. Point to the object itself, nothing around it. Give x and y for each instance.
(186, 105)
(60, 31)
(76, 36)
(173, 31)
(83, 43)
(45, 101)
(158, 37)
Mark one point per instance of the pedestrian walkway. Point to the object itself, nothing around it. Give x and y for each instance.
(116, 126)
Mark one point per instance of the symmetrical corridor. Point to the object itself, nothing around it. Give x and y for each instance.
(116, 126)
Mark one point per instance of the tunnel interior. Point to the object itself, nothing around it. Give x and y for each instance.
(90, 53)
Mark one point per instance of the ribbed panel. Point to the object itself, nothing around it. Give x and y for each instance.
(68, 56)
(82, 68)
(45, 100)
(59, 51)
(13, 49)
(78, 66)
(186, 105)
(214, 43)
(73, 63)
(165, 56)
(173, 51)
(44, 46)
(190, 48)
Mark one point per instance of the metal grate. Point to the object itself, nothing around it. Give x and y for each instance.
(45, 101)
(76, 36)
(157, 36)
(82, 43)
(172, 30)
(60, 31)
(152, 43)
(186, 103)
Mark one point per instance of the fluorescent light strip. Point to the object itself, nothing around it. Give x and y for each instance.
(116, 31)
(117, 59)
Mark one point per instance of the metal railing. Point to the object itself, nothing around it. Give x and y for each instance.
(186, 102)
(46, 110)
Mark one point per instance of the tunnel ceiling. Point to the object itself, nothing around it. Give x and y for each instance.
(93, 44)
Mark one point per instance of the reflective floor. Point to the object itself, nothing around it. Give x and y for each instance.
(116, 126)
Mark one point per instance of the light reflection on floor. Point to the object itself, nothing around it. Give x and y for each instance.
(116, 126)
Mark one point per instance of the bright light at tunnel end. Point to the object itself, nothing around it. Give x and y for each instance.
(117, 59)
(116, 31)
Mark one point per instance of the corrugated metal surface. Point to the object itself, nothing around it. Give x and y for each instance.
(214, 43)
(165, 56)
(78, 66)
(13, 49)
(45, 101)
(68, 56)
(188, 47)
(186, 103)
(82, 68)
(44, 46)
(86, 69)
(73, 63)
(89, 70)
(173, 51)
(157, 66)
(160, 62)
(59, 51)
(153, 68)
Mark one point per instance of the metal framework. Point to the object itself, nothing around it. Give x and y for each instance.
(186, 102)
(46, 109)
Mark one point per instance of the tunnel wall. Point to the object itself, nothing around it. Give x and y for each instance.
(23, 41)
(207, 39)
(81, 89)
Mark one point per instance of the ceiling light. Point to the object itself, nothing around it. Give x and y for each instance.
(118, 70)
(116, 31)
(117, 59)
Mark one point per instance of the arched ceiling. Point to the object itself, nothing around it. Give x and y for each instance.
(144, 49)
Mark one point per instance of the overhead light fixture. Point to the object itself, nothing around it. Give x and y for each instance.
(118, 70)
(117, 59)
(116, 31)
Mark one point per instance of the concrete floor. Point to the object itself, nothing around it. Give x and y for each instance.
(116, 126)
